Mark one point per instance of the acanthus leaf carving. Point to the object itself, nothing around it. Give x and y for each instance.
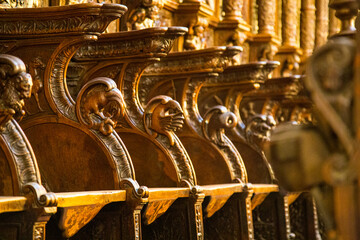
(163, 115)
(100, 105)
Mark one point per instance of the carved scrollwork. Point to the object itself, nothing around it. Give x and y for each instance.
(15, 86)
(214, 124)
(41, 196)
(216, 121)
(137, 195)
(100, 105)
(163, 115)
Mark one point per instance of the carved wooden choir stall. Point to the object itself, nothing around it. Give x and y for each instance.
(178, 120)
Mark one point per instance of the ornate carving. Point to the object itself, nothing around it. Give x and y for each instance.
(95, 18)
(197, 197)
(266, 52)
(134, 191)
(211, 58)
(290, 66)
(39, 231)
(215, 121)
(119, 154)
(196, 39)
(36, 69)
(163, 115)
(145, 16)
(15, 86)
(149, 42)
(41, 197)
(257, 126)
(100, 105)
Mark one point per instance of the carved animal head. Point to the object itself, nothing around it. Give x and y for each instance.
(100, 105)
(216, 120)
(15, 86)
(163, 115)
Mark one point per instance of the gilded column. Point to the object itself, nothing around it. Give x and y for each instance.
(233, 9)
(322, 19)
(233, 29)
(307, 30)
(266, 16)
(289, 53)
(289, 22)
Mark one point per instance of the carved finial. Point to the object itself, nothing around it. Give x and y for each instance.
(216, 120)
(146, 15)
(15, 85)
(163, 115)
(100, 105)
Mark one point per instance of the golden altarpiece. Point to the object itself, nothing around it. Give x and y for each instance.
(179, 119)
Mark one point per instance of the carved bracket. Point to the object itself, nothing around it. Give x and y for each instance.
(100, 105)
(163, 115)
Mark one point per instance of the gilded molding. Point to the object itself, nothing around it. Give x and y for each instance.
(81, 18)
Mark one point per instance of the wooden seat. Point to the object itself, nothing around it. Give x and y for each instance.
(73, 139)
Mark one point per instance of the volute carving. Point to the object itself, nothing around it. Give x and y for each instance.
(15, 86)
(100, 105)
(215, 122)
(163, 115)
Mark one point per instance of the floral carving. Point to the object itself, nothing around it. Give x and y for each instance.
(163, 115)
(100, 105)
